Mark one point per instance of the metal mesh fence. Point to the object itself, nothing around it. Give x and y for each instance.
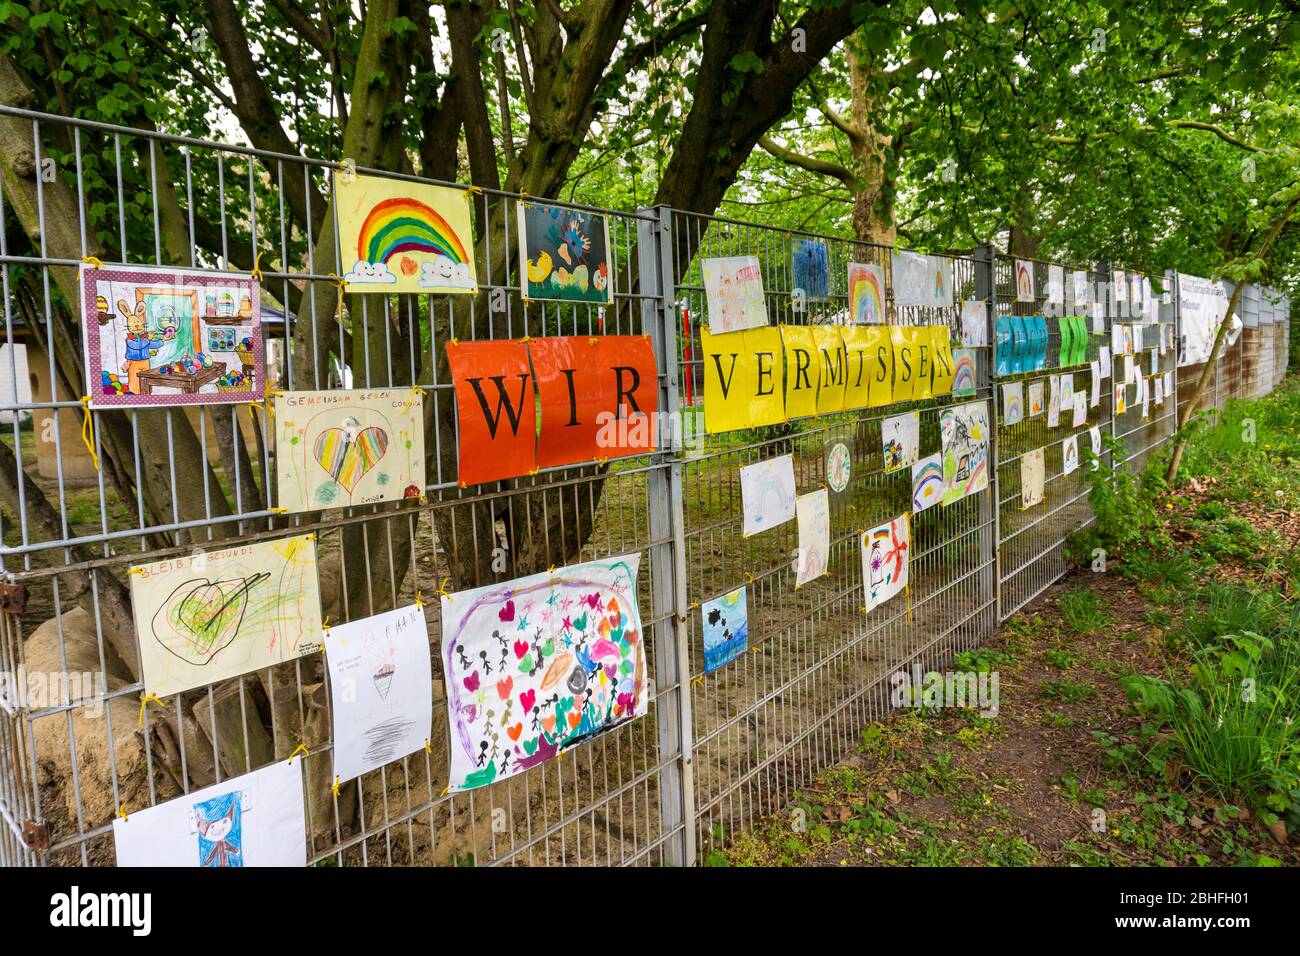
(716, 751)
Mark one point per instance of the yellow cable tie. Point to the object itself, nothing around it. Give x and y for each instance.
(474, 190)
(335, 789)
(278, 511)
(695, 604)
(525, 339)
(135, 570)
(325, 625)
(592, 340)
(462, 484)
(698, 679)
(88, 430)
(442, 588)
(536, 469)
(551, 570)
(300, 749)
(144, 702)
(121, 811)
(602, 461)
(256, 271)
(419, 601)
(454, 341)
(427, 748)
(93, 262)
(445, 790)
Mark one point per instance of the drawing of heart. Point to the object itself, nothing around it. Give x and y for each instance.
(348, 453)
(527, 698)
(515, 731)
(200, 618)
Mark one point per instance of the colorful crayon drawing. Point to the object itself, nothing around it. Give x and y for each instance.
(1079, 281)
(340, 448)
(927, 482)
(767, 494)
(885, 559)
(974, 323)
(157, 336)
(726, 628)
(963, 372)
(253, 820)
(814, 515)
(208, 616)
(940, 272)
(1094, 436)
(811, 272)
(565, 254)
(380, 680)
(734, 289)
(400, 236)
(1035, 399)
(839, 466)
(219, 822)
(1013, 403)
(900, 440)
(539, 664)
(1069, 454)
(1033, 476)
(964, 434)
(1024, 281)
(1121, 399)
(866, 294)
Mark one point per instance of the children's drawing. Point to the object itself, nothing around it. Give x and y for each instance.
(380, 681)
(963, 372)
(1013, 403)
(400, 236)
(927, 482)
(1069, 454)
(159, 336)
(539, 664)
(885, 559)
(253, 820)
(1035, 398)
(1032, 476)
(811, 273)
(1120, 405)
(913, 283)
(1080, 409)
(726, 628)
(1056, 286)
(814, 513)
(866, 294)
(767, 493)
(1053, 401)
(1079, 281)
(734, 287)
(1095, 397)
(964, 435)
(341, 448)
(974, 323)
(839, 466)
(900, 440)
(1094, 436)
(564, 254)
(1024, 281)
(208, 616)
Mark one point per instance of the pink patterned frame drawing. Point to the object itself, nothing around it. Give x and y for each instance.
(148, 279)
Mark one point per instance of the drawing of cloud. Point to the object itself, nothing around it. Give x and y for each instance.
(374, 273)
(442, 271)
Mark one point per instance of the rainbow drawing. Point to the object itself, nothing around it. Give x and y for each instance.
(866, 294)
(963, 372)
(927, 482)
(406, 237)
(407, 225)
(1013, 403)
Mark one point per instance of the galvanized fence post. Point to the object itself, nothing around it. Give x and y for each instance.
(668, 553)
(990, 554)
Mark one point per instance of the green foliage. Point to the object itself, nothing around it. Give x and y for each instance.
(1083, 611)
(1126, 522)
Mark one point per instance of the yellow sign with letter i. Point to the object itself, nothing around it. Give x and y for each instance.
(880, 365)
(857, 365)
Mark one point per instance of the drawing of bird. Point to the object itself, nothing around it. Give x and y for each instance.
(538, 271)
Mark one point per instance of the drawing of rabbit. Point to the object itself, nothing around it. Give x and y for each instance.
(138, 344)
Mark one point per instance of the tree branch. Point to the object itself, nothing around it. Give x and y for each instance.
(813, 165)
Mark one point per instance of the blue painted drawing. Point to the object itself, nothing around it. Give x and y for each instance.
(811, 272)
(220, 830)
(726, 629)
